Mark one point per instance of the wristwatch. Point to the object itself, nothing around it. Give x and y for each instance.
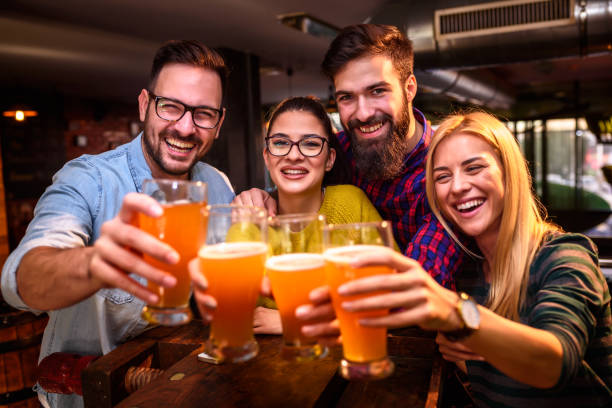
(467, 309)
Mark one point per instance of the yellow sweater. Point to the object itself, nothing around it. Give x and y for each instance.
(346, 203)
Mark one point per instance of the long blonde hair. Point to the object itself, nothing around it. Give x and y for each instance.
(522, 227)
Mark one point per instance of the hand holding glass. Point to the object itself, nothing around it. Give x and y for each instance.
(364, 348)
(233, 263)
(182, 227)
(295, 269)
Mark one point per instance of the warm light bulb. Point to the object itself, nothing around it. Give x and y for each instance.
(19, 115)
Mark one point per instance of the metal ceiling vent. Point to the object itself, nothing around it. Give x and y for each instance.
(502, 17)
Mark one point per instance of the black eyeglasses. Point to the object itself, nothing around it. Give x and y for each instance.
(309, 146)
(172, 110)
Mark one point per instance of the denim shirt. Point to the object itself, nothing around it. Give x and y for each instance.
(85, 193)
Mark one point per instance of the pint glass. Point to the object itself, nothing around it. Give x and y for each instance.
(183, 227)
(295, 269)
(233, 263)
(364, 348)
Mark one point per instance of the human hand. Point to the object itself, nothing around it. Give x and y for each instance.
(455, 351)
(411, 296)
(267, 321)
(320, 318)
(206, 303)
(257, 198)
(117, 251)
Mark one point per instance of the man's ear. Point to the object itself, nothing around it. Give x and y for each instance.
(411, 87)
(220, 123)
(143, 104)
(331, 158)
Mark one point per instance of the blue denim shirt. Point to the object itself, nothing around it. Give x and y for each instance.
(85, 193)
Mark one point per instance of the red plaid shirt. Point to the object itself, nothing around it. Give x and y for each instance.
(403, 201)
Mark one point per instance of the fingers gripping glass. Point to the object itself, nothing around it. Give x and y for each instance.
(310, 146)
(172, 110)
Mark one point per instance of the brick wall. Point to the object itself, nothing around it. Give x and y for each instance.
(95, 128)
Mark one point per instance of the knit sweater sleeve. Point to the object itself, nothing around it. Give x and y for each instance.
(569, 298)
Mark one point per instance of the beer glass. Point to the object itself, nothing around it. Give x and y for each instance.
(233, 263)
(296, 268)
(182, 227)
(364, 348)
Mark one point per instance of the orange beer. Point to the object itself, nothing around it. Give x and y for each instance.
(292, 277)
(181, 226)
(234, 271)
(360, 344)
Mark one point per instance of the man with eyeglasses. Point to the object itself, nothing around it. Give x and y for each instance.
(80, 260)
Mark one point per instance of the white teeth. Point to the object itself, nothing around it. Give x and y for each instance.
(470, 204)
(292, 171)
(179, 144)
(370, 129)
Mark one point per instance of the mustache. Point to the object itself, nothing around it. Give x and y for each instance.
(378, 117)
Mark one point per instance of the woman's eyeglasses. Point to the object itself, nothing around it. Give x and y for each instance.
(309, 146)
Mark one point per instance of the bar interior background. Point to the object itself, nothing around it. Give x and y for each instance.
(543, 65)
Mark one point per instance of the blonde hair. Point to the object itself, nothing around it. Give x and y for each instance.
(523, 224)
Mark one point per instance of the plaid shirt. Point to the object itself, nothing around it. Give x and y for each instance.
(403, 201)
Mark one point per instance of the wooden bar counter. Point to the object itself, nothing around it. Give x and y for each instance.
(265, 381)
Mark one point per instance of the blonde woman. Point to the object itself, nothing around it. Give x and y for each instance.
(539, 331)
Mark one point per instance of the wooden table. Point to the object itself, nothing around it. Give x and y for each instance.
(265, 381)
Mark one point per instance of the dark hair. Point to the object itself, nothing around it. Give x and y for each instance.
(356, 41)
(189, 52)
(339, 173)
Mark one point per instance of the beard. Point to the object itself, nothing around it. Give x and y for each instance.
(152, 146)
(382, 158)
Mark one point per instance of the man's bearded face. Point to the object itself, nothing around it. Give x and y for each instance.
(381, 158)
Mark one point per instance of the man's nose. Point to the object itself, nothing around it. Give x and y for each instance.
(185, 125)
(365, 110)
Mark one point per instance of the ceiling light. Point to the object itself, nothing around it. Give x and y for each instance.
(269, 70)
(20, 115)
(308, 24)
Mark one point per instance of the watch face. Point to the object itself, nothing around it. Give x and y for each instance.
(470, 313)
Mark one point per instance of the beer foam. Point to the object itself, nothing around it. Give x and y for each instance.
(182, 201)
(228, 250)
(345, 254)
(295, 262)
